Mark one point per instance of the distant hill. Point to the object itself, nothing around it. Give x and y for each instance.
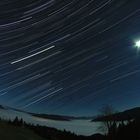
(130, 114)
(60, 117)
(53, 117)
(1, 107)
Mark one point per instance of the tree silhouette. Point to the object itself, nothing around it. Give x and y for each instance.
(107, 124)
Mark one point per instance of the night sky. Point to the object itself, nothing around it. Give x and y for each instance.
(69, 56)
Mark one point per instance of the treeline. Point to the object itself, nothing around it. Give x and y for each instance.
(125, 130)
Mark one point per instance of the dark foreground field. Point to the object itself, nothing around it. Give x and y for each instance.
(10, 132)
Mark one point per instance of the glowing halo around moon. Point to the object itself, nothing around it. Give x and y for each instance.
(137, 44)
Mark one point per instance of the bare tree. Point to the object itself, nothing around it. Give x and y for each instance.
(107, 122)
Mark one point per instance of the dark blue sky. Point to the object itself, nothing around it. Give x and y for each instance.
(69, 57)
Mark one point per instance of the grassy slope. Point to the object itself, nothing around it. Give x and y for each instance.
(8, 132)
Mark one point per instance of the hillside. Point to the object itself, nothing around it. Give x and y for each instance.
(130, 114)
(10, 132)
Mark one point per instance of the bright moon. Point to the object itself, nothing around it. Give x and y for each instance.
(138, 44)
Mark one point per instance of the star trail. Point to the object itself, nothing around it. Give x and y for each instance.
(69, 56)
